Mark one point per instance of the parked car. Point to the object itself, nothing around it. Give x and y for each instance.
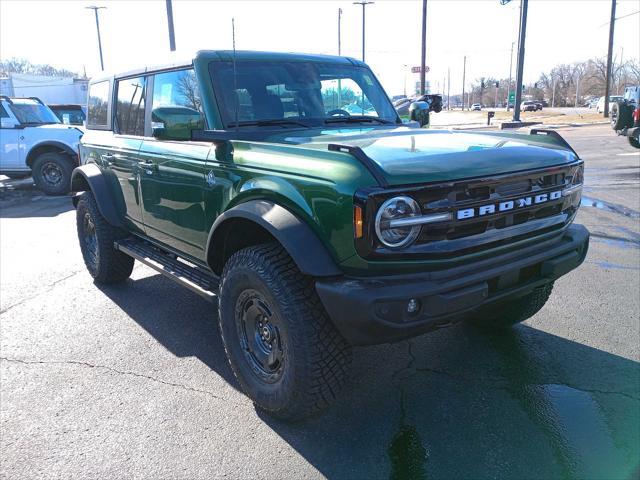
(538, 105)
(311, 229)
(625, 115)
(593, 103)
(612, 99)
(476, 107)
(528, 106)
(34, 142)
(69, 114)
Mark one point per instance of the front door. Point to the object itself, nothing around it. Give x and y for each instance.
(172, 167)
(11, 153)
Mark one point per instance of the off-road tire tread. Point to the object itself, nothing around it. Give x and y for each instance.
(634, 142)
(511, 313)
(66, 164)
(329, 355)
(113, 265)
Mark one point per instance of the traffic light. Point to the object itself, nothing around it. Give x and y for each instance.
(535, 85)
(482, 84)
(523, 88)
(497, 84)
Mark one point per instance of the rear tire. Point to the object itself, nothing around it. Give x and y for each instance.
(286, 354)
(510, 313)
(96, 236)
(52, 173)
(634, 142)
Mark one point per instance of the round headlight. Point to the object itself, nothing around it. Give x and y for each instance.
(397, 208)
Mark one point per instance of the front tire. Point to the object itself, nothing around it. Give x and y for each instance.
(510, 313)
(52, 173)
(634, 142)
(286, 354)
(96, 236)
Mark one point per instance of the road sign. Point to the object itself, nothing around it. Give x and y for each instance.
(512, 97)
(419, 69)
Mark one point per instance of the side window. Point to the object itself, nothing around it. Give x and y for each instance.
(98, 105)
(130, 106)
(176, 107)
(3, 112)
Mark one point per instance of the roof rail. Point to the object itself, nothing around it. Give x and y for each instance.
(36, 99)
(6, 98)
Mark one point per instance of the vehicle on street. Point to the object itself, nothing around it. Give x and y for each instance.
(625, 115)
(593, 103)
(34, 142)
(612, 99)
(528, 106)
(476, 107)
(69, 114)
(538, 105)
(243, 177)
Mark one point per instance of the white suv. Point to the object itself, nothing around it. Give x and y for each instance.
(34, 142)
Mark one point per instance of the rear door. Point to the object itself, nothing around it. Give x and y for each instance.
(172, 167)
(123, 158)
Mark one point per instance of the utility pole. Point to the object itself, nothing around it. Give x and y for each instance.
(622, 70)
(577, 88)
(553, 95)
(423, 59)
(510, 69)
(609, 55)
(464, 72)
(448, 88)
(95, 11)
(519, 69)
(364, 3)
(339, 31)
(172, 37)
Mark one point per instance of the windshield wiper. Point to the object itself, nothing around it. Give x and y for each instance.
(358, 119)
(267, 123)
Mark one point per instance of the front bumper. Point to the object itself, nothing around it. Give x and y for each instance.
(370, 311)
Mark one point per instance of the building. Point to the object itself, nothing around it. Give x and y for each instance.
(51, 90)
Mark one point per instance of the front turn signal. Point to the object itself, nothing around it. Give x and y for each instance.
(357, 221)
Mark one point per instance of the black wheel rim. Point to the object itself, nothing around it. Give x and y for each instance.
(258, 330)
(52, 173)
(90, 239)
(614, 117)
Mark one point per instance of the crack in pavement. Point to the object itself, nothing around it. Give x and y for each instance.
(119, 372)
(47, 289)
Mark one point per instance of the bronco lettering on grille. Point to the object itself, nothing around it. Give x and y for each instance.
(494, 208)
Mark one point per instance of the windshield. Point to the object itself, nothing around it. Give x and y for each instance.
(31, 112)
(69, 116)
(298, 94)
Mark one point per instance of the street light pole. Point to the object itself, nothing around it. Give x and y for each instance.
(339, 31)
(424, 48)
(364, 3)
(519, 69)
(510, 69)
(95, 11)
(464, 73)
(609, 55)
(172, 37)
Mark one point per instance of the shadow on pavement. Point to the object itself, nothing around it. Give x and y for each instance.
(456, 403)
(21, 199)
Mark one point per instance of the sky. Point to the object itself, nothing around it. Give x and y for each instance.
(134, 33)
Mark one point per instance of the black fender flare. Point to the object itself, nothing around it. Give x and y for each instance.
(298, 239)
(50, 143)
(90, 177)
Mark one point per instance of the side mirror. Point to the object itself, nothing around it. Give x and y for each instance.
(8, 123)
(419, 112)
(175, 123)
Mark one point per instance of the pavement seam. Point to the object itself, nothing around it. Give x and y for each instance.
(114, 370)
(48, 288)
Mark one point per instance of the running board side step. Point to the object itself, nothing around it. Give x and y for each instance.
(186, 274)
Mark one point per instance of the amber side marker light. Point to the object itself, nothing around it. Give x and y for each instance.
(357, 221)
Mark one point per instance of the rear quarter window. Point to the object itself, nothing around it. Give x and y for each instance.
(98, 106)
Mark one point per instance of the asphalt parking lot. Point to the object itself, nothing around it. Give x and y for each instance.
(131, 381)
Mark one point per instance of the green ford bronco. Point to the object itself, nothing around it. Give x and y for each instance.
(285, 189)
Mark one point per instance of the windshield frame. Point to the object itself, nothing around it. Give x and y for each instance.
(388, 114)
(26, 109)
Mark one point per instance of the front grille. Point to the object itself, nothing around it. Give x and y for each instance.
(482, 231)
